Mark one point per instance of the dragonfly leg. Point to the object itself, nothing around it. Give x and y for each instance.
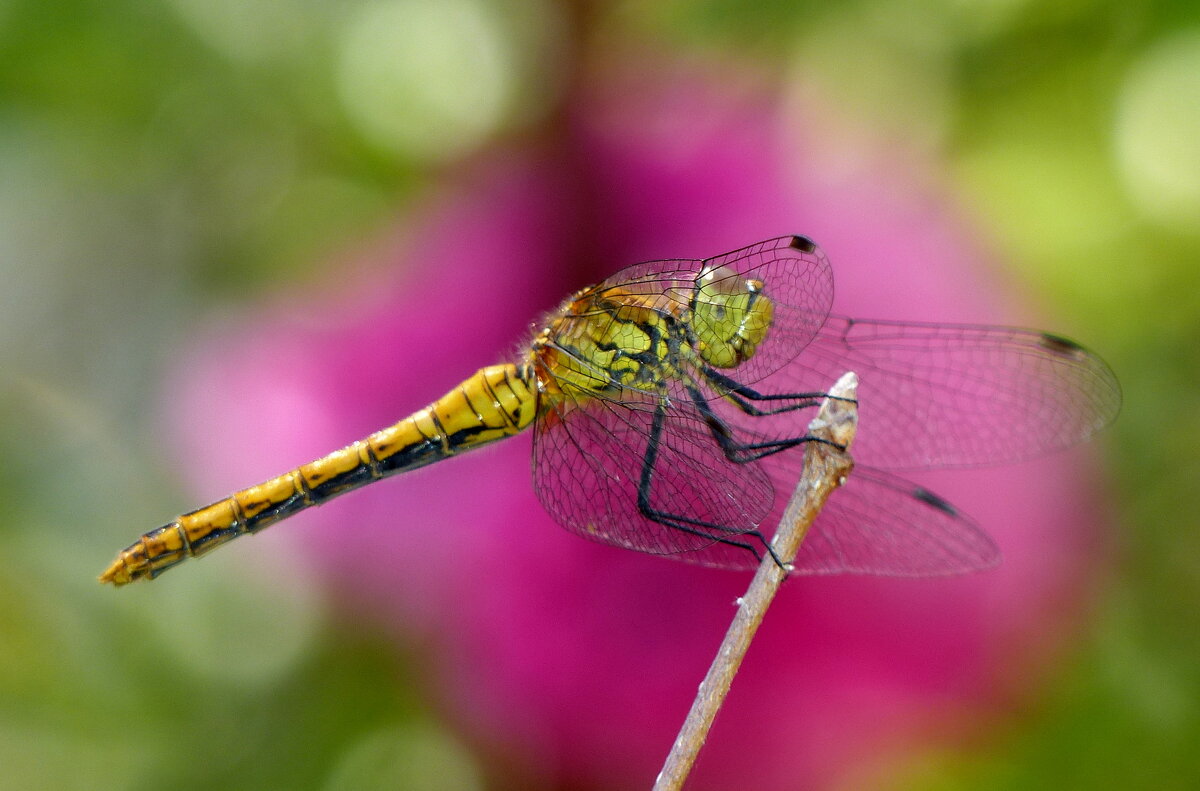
(696, 527)
(741, 396)
(746, 452)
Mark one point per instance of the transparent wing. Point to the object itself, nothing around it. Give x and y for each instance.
(880, 524)
(588, 458)
(795, 275)
(876, 523)
(588, 461)
(943, 395)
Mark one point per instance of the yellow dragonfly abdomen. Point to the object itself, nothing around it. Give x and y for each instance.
(496, 402)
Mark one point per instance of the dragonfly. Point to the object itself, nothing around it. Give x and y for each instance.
(666, 405)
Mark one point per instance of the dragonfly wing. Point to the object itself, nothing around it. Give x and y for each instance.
(944, 395)
(795, 274)
(876, 523)
(798, 280)
(880, 524)
(588, 462)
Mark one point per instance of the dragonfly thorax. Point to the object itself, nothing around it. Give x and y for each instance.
(729, 317)
(615, 344)
(610, 338)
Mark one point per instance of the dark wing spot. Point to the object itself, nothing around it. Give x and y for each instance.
(1060, 345)
(803, 244)
(929, 498)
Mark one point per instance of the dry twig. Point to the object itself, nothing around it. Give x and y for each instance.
(825, 468)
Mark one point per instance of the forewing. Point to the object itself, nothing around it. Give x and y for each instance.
(795, 275)
(938, 395)
(798, 280)
(588, 459)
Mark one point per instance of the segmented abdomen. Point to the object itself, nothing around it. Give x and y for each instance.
(495, 403)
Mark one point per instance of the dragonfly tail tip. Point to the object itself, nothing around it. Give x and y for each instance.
(116, 574)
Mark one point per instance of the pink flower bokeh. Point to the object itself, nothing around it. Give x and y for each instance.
(576, 662)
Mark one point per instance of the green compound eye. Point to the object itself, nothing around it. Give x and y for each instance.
(730, 317)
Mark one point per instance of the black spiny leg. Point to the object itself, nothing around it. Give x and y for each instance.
(746, 452)
(685, 524)
(742, 396)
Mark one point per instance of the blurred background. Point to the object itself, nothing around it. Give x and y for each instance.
(237, 235)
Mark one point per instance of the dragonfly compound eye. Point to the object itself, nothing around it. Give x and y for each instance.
(730, 316)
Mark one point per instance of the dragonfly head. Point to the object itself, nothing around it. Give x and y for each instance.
(730, 316)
